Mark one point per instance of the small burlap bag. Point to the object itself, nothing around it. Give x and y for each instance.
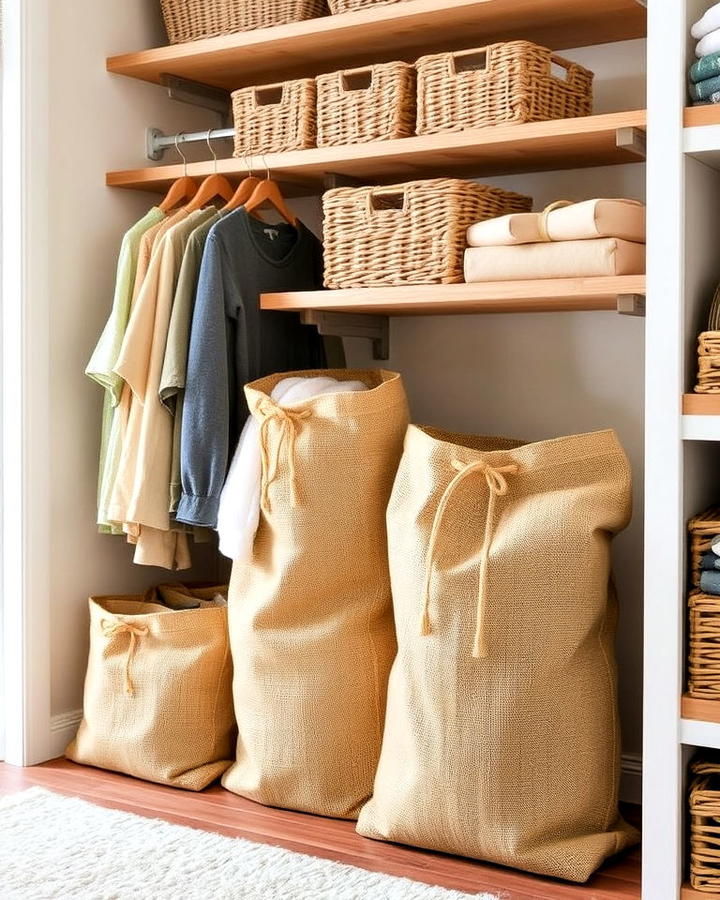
(501, 739)
(310, 616)
(158, 701)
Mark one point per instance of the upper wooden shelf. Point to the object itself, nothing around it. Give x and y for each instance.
(701, 404)
(699, 710)
(500, 150)
(708, 114)
(547, 295)
(397, 31)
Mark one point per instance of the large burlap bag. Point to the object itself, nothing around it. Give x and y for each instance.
(158, 695)
(501, 738)
(310, 616)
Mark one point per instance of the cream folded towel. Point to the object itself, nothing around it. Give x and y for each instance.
(707, 23)
(566, 259)
(239, 510)
(623, 219)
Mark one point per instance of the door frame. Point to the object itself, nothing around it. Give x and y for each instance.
(26, 349)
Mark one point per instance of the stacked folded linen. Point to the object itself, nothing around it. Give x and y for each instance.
(710, 569)
(593, 238)
(705, 74)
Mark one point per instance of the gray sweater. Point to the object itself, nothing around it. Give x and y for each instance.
(233, 341)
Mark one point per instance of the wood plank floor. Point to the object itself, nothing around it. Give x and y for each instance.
(219, 811)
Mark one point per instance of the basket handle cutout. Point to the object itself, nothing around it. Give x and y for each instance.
(386, 200)
(270, 96)
(470, 61)
(560, 69)
(356, 80)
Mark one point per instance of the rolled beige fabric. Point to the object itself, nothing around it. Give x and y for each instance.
(624, 219)
(567, 259)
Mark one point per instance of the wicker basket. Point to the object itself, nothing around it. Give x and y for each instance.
(704, 646)
(501, 83)
(375, 103)
(192, 20)
(407, 233)
(702, 529)
(708, 372)
(705, 824)
(342, 6)
(274, 118)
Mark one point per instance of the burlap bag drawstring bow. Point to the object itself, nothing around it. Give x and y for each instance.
(497, 487)
(111, 628)
(289, 422)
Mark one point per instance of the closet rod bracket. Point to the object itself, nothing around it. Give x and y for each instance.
(355, 325)
(632, 139)
(631, 304)
(183, 90)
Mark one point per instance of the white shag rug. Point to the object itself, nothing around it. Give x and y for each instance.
(58, 848)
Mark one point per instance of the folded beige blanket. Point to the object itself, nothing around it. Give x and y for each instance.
(568, 259)
(623, 219)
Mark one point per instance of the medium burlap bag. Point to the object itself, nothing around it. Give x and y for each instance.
(310, 616)
(501, 738)
(158, 696)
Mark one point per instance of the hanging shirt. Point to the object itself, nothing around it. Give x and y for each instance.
(103, 360)
(174, 371)
(141, 493)
(233, 342)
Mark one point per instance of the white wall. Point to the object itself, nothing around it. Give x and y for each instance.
(532, 375)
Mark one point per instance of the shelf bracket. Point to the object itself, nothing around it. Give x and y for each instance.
(195, 93)
(356, 325)
(632, 139)
(631, 304)
(332, 181)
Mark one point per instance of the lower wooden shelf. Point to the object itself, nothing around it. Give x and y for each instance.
(548, 295)
(700, 710)
(701, 404)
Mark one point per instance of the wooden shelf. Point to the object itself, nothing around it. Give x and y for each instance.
(700, 710)
(689, 893)
(701, 116)
(398, 31)
(481, 152)
(550, 295)
(701, 404)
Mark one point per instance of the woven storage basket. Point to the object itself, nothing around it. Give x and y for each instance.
(704, 646)
(705, 824)
(274, 118)
(374, 103)
(702, 529)
(191, 20)
(708, 374)
(342, 6)
(501, 83)
(411, 233)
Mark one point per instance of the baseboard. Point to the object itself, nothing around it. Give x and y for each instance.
(62, 731)
(64, 726)
(631, 778)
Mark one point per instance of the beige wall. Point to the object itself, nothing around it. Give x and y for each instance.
(530, 376)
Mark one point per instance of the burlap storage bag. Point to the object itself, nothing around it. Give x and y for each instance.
(310, 616)
(158, 696)
(501, 738)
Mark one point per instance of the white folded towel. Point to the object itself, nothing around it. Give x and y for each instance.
(709, 44)
(707, 23)
(239, 511)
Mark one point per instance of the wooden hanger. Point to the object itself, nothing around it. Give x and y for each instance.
(244, 192)
(213, 187)
(268, 191)
(181, 190)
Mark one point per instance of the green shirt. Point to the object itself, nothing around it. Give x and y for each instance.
(101, 365)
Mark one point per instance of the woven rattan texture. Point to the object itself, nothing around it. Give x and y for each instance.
(275, 118)
(708, 374)
(412, 233)
(382, 110)
(342, 6)
(704, 646)
(500, 83)
(705, 825)
(192, 20)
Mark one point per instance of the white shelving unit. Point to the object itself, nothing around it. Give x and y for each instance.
(682, 457)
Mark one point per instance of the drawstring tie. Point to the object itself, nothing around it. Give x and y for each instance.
(112, 628)
(289, 422)
(497, 487)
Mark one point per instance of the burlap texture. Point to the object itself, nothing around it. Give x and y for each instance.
(310, 616)
(158, 700)
(512, 755)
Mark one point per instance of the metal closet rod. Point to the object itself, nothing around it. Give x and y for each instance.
(157, 142)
